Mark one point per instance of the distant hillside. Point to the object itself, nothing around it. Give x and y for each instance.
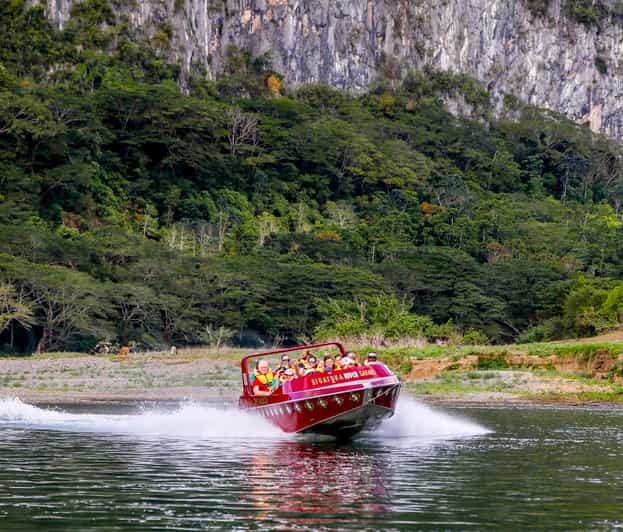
(244, 210)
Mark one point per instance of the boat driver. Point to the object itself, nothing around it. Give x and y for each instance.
(371, 358)
(264, 380)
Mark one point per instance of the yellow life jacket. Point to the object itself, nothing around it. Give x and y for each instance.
(266, 380)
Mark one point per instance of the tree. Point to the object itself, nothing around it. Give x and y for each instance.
(573, 166)
(342, 213)
(267, 224)
(600, 231)
(613, 305)
(137, 308)
(69, 307)
(504, 172)
(216, 336)
(582, 309)
(14, 310)
(242, 131)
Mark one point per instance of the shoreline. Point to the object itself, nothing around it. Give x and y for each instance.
(203, 375)
(196, 396)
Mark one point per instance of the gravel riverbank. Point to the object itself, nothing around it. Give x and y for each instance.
(72, 378)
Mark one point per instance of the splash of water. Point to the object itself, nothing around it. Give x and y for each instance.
(414, 419)
(189, 421)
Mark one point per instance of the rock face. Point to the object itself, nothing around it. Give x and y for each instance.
(548, 61)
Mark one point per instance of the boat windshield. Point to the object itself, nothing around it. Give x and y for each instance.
(267, 372)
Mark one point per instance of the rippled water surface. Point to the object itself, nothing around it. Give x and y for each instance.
(190, 467)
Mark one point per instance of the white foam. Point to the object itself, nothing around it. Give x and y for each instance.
(414, 419)
(190, 420)
(12, 409)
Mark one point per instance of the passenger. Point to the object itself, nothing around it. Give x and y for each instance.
(286, 362)
(286, 376)
(347, 362)
(277, 380)
(320, 367)
(264, 381)
(371, 358)
(298, 371)
(329, 364)
(354, 357)
(304, 361)
(311, 365)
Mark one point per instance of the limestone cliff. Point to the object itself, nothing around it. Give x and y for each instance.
(549, 61)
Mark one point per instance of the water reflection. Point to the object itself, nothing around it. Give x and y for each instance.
(318, 479)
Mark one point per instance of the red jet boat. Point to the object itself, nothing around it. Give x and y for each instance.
(340, 403)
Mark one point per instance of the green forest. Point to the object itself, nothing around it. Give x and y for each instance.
(141, 204)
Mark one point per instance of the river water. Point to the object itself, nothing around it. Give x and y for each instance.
(190, 467)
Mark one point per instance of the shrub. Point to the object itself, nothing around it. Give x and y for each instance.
(381, 318)
(405, 367)
(492, 362)
(548, 330)
(613, 306)
(473, 337)
(586, 12)
(601, 64)
(538, 7)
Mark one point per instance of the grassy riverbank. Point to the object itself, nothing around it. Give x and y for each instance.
(576, 371)
(585, 370)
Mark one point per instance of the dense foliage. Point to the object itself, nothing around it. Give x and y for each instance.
(590, 13)
(132, 210)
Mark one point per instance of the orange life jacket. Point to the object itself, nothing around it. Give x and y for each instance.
(266, 380)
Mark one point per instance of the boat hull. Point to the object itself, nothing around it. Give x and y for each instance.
(346, 425)
(340, 406)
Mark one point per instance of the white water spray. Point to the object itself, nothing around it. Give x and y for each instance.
(414, 419)
(189, 421)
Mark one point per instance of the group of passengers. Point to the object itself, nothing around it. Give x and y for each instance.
(265, 381)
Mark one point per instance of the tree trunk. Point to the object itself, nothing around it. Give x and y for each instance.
(41, 342)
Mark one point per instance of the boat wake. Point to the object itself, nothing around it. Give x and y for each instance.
(412, 420)
(188, 421)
